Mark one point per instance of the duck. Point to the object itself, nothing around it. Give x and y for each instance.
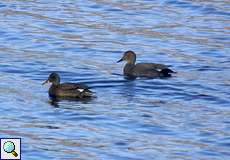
(66, 90)
(149, 70)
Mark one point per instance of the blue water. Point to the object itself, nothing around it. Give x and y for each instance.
(185, 117)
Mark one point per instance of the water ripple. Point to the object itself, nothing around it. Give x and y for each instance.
(183, 117)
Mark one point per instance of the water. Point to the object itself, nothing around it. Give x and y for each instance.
(185, 117)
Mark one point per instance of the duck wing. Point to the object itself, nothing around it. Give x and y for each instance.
(146, 72)
(73, 90)
(148, 66)
(72, 86)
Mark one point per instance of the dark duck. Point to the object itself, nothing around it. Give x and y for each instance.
(66, 90)
(149, 70)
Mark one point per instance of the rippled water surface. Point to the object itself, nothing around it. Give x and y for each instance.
(184, 117)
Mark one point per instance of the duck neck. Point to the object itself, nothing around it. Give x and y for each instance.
(128, 68)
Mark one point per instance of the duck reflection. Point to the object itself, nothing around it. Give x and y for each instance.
(57, 101)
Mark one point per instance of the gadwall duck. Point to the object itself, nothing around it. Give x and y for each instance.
(68, 90)
(150, 70)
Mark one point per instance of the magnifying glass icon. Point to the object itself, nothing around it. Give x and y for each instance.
(9, 147)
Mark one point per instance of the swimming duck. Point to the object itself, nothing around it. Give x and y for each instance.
(68, 90)
(150, 70)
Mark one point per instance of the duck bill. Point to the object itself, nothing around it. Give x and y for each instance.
(47, 81)
(120, 60)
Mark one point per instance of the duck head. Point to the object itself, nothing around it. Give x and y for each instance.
(129, 57)
(53, 78)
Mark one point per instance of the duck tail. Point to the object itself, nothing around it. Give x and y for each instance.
(87, 93)
(166, 72)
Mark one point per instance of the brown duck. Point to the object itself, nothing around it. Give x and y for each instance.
(150, 70)
(68, 90)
